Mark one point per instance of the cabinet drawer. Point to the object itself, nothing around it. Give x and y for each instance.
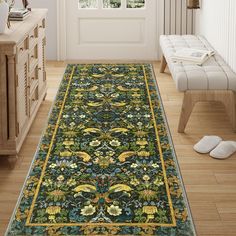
(33, 36)
(34, 99)
(33, 58)
(33, 79)
(41, 28)
(22, 49)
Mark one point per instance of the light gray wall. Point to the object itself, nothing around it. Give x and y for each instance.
(51, 30)
(216, 20)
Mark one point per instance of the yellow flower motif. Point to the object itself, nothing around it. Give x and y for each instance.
(68, 143)
(70, 133)
(53, 165)
(95, 143)
(181, 215)
(148, 194)
(155, 165)
(141, 133)
(134, 165)
(133, 69)
(99, 95)
(107, 85)
(110, 153)
(115, 143)
(79, 95)
(98, 153)
(165, 146)
(170, 163)
(52, 217)
(150, 210)
(57, 193)
(136, 95)
(142, 142)
(60, 178)
(114, 210)
(134, 182)
(47, 182)
(143, 154)
(71, 182)
(115, 95)
(65, 154)
(53, 210)
(88, 210)
(146, 177)
(158, 182)
(104, 162)
(73, 166)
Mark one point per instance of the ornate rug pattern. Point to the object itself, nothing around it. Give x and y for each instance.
(106, 164)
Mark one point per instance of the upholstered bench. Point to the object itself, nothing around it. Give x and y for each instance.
(212, 81)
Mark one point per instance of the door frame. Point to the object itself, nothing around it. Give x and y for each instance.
(61, 28)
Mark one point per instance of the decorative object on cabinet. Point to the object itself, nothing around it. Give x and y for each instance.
(22, 79)
(193, 4)
(18, 14)
(11, 4)
(4, 10)
(25, 3)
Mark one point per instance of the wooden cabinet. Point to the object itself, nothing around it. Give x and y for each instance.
(22, 79)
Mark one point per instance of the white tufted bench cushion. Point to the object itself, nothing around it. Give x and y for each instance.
(214, 74)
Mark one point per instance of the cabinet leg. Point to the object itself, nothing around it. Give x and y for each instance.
(12, 160)
(13, 157)
(44, 96)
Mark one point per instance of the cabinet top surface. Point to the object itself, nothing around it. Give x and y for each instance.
(19, 29)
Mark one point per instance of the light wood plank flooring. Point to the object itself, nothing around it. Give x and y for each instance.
(210, 184)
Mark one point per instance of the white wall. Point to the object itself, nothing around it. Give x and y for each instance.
(217, 22)
(51, 31)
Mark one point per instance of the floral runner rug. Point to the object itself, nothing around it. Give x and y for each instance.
(105, 164)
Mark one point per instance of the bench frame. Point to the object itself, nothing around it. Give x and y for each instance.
(191, 97)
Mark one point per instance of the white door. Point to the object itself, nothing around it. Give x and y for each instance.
(111, 29)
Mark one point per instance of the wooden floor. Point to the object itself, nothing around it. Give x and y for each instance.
(210, 184)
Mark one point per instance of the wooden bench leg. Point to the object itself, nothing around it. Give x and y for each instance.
(187, 108)
(163, 64)
(191, 97)
(229, 103)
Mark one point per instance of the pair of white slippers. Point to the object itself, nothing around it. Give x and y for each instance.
(217, 148)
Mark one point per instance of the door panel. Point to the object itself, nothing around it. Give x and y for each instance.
(111, 29)
(93, 31)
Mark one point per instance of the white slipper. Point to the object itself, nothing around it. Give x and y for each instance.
(224, 150)
(207, 143)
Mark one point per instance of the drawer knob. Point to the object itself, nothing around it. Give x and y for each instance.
(32, 36)
(21, 49)
(39, 68)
